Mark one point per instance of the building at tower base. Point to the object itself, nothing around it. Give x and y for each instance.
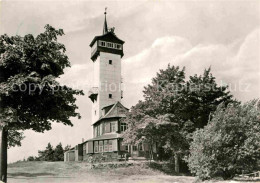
(107, 110)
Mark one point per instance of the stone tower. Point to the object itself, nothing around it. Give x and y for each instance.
(106, 54)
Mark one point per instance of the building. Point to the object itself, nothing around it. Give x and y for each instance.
(107, 110)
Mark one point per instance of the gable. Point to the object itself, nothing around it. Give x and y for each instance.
(116, 110)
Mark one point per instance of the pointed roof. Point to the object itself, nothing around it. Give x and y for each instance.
(105, 29)
(116, 110)
(109, 36)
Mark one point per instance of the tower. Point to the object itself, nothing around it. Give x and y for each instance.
(108, 113)
(106, 54)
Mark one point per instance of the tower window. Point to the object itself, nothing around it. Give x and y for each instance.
(109, 95)
(110, 62)
(119, 46)
(110, 45)
(95, 112)
(102, 43)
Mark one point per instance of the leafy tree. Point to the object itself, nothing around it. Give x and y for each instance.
(203, 95)
(173, 108)
(31, 98)
(67, 147)
(31, 158)
(229, 144)
(58, 153)
(14, 138)
(47, 154)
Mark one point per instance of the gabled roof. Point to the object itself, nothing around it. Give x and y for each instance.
(109, 36)
(116, 110)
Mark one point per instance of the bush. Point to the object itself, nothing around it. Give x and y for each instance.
(229, 144)
(31, 158)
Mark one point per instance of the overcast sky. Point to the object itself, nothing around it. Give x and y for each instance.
(196, 34)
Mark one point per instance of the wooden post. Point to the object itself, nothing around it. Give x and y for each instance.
(3, 140)
(177, 163)
(3, 154)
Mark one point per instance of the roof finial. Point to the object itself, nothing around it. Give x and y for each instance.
(105, 29)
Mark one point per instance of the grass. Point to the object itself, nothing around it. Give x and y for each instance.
(80, 172)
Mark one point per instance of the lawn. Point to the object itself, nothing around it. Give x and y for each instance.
(47, 172)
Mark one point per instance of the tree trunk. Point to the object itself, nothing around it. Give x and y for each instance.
(3, 154)
(176, 163)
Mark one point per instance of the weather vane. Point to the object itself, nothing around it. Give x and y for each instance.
(105, 10)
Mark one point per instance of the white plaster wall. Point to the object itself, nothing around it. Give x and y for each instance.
(108, 78)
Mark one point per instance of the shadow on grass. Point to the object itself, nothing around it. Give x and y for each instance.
(29, 174)
(247, 180)
(166, 168)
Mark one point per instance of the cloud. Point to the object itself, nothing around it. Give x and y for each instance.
(147, 62)
(235, 64)
(78, 76)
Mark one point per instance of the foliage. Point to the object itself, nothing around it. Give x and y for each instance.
(31, 97)
(31, 158)
(51, 154)
(67, 147)
(229, 144)
(58, 154)
(173, 108)
(14, 138)
(47, 154)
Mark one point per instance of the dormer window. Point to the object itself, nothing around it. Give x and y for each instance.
(102, 43)
(110, 45)
(119, 46)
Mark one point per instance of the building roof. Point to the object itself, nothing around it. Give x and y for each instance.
(116, 110)
(109, 36)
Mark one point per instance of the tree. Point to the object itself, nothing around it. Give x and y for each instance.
(229, 144)
(58, 153)
(31, 158)
(14, 138)
(177, 106)
(203, 95)
(31, 98)
(67, 147)
(47, 154)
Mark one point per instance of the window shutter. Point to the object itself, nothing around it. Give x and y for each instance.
(107, 127)
(90, 147)
(115, 145)
(116, 124)
(101, 128)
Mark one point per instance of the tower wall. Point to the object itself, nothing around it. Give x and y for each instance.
(107, 77)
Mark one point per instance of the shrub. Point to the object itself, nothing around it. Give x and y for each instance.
(229, 144)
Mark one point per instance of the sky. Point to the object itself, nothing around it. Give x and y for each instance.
(197, 34)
